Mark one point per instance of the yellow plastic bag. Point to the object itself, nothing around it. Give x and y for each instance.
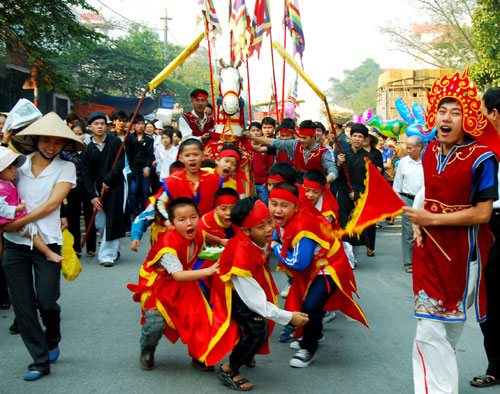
(71, 266)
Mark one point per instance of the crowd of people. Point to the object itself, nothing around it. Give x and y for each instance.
(206, 279)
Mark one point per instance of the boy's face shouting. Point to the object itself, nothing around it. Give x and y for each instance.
(262, 233)
(223, 212)
(313, 195)
(186, 221)
(192, 157)
(227, 166)
(282, 211)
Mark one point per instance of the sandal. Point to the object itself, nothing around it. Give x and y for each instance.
(227, 379)
(409, 270)
(486, 381)
(90, 254)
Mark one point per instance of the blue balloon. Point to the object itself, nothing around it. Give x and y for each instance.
(419, 112)
(404, 111)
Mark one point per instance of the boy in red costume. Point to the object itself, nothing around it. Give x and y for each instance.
(460, 179)
(192, 182)
(244, 296)
(171, 299)
(305, 245)
(318, 192)
(217, 223)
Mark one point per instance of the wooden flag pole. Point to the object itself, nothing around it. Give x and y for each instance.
(274, 79)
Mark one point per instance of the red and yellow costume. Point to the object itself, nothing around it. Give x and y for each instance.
(211, 224)
(329, 206)
(330, 258)
(178, 185)
(439, 285)
(241, 257)
(182, 304)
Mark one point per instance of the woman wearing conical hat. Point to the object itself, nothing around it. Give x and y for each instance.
(43, 182)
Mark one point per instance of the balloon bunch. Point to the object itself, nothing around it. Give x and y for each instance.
(356, 118)
(415, 119)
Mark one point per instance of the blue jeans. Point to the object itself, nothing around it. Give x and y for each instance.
(262, 193)
(138, 184)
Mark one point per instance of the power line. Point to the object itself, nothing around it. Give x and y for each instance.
(127, 19)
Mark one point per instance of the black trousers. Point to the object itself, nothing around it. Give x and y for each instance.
(491, 327)
(34, 285)
(253, 333)
(74, 211)
(318, 294)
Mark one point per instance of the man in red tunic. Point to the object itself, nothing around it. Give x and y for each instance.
(197, 123)
(460, 186)
(306, 152)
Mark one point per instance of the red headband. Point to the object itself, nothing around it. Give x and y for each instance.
(226, 199)
(313, 185)
(276, 178)
(306, 132)
(230, 153)
(200, 95)
(257, 215)
(283, 194)
(287, 131)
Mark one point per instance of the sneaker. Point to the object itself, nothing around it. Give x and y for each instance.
(296, 344)
(285, 291)
(287, 333)
(329, 316)
(301, 359)
(147, 359)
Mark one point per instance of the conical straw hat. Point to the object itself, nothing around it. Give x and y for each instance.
(49, 125)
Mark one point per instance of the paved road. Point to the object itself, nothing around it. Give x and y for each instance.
(101, 328)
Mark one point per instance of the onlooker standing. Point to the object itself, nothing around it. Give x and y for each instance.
(77, 198)
(140, 156)
(408, 181)
(98, 174)
(261, 163)
(491, 327)
(165, 154)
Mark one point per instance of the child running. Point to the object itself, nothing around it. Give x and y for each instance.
(10, 206)
(171, 299)
(244, 296)
(305, 246)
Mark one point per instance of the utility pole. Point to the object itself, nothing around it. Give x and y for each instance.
(165, 37)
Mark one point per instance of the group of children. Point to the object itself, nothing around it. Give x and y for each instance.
(229, 305)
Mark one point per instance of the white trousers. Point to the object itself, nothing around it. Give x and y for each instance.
(108, 250)
(435, 368)
(349, 253)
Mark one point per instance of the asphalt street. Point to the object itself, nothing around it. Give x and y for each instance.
(101, 329)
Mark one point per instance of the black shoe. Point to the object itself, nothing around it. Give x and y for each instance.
(201, 366)
(147, 359)
(13, 328)
(118, 255)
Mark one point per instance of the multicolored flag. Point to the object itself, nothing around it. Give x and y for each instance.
(261, 23)
(239, 26)
(376, 203)
(293, 22)
(207, 14)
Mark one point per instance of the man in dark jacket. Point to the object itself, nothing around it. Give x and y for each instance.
(140, 155)
(99, 175)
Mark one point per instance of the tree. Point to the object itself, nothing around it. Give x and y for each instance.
(358, 89)
(124, 66)
(41, 29)
(447, 41)
(486, 24)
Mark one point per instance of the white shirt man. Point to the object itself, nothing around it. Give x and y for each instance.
(409, 179)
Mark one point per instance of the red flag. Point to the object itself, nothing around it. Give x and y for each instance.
(377, 202)
(261, 23)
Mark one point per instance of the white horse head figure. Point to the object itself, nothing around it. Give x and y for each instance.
(230, 86)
